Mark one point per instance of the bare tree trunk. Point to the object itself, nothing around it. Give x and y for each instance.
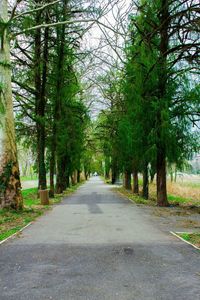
(10, 186)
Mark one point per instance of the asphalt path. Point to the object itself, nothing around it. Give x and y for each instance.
(96, 245)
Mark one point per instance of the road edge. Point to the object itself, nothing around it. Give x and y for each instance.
(180, 238)
(14, 234)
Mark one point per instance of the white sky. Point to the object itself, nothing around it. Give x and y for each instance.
(105, 46)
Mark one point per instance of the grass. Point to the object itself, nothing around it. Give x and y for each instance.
(193, 238)
(194, 185)
(26, 178)
(178, 200)
(174, 199)
(12, 221)
(135, 198)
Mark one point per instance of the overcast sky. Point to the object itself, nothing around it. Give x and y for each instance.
(106, 46)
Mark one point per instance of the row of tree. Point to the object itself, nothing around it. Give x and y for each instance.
(154, 101)
(154, 105)
(51, 117)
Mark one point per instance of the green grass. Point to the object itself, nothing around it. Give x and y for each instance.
(30, 197)
(8, 233)
(27, 178)
(177, 199)
(193, 238)
(135, 198)
(12, 221)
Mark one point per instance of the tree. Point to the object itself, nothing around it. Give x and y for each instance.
(10, 187)
(159, 54)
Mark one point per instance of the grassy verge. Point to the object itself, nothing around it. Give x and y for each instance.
(178, 200)
(193, 238)
(12, 221)
(135, 198)
(25, 178)
(173, 199)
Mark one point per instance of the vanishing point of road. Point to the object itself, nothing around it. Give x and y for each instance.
(96, 245)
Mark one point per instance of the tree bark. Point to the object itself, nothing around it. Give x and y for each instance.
(115, 171)
(78, 176)
(127, 180)
(61, 179)
(52, 172)
(145, 190)
(163, 106)
(161, 180)
(10, 186)
(107, 168)
(135, 182)
(152, 174)
(40, 100)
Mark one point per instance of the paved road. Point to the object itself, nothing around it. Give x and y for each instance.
(98, 246)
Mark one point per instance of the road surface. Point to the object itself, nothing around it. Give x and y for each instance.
(96, 245)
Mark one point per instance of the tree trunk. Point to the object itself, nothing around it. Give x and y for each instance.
(171, 175)
(75, 176)
(73, 179)
(127, 180)
(145, 191)
(61, 179)
(152, 174)
(161, 180)
(115, 171)
(114, 179)
(67, 182)
(52, 172)
(135, 182)
(78, 176)
(163, 106)
(40, 101)
(107, 168)
(10, 186)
